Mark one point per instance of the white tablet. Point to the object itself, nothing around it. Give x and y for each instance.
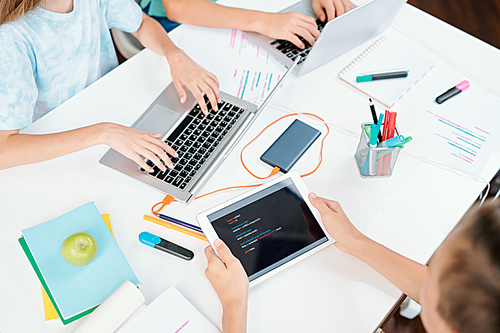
(268, 228)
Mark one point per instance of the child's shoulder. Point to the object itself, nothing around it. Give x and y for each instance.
(12, 32)
(21, 34)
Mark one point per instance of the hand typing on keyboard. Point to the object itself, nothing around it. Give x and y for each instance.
(291, 50)
(196, 140)
(188, 74)
(332, 8)
(291, 27)
(136, 144)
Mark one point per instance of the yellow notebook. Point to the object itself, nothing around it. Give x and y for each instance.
(50, 311)
(386, 55)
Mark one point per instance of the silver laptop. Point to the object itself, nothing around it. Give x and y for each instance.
(202, 142)
(337, 36)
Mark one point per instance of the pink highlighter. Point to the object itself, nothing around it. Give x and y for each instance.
(462, 86)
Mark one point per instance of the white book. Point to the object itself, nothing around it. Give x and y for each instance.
(124, 311)
(383, 56)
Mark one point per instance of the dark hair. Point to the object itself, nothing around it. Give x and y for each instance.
(469, 283)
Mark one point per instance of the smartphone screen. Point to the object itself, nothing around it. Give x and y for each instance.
(290, 146)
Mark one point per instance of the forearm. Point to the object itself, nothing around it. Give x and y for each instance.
(209, 14)
(234, 319)
(152, 36)
(18, 149)
(405, 273)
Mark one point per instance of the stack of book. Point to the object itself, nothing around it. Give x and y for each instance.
(76, 291)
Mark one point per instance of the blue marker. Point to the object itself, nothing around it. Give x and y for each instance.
(391, 143)
(379, 124)
(165, 246)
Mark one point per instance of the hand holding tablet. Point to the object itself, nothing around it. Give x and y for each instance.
(268, 228)
(337, 224)
(227, 276)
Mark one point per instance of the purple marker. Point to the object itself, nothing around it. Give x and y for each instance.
(462, 86)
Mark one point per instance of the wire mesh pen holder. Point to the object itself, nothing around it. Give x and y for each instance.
(375, 162)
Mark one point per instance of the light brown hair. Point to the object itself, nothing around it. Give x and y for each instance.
(469, 283)
(11, 10)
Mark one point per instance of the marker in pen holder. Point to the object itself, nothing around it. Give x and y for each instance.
(373, 161)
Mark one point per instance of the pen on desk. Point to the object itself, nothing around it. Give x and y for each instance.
(179, 222)
(174, 227)
(462, 86)
(165, 246)
(382, 76)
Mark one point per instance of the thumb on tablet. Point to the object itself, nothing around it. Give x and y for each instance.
(223, 251)
(319, 204)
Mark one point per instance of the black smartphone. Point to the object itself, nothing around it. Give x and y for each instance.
(290, 146)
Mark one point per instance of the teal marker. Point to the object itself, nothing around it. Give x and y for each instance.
(369, 164)
(391, 143)
(408, 139)
(382, 76)
(382, 153)
(161, 244)
(373, 136)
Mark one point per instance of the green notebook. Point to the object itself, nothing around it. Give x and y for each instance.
(27, 251)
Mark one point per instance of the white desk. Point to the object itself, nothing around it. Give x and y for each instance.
(412, 212)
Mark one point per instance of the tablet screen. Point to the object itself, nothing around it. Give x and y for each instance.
(269, 228)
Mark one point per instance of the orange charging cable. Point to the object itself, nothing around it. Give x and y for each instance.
(169, 199)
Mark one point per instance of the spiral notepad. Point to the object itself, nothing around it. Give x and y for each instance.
(386, 55)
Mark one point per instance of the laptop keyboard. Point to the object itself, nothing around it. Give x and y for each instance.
(291, 51)
(195, 139)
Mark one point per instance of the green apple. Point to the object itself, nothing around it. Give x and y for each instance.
(79, 249)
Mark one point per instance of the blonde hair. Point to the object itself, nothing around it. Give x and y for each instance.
(11, 10)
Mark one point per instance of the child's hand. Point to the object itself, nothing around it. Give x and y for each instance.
(337, 224)
(333, 8)
(186, 73)
(288, 26)
(136, 144)
(228, 278)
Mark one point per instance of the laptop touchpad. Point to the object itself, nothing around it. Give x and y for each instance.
(158, 121)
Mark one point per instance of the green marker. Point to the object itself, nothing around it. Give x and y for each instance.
(368, 130)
